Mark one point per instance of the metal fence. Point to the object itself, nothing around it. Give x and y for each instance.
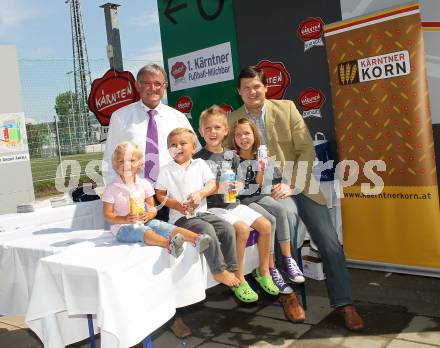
(57, 129)
(68, 136)
(54, 146)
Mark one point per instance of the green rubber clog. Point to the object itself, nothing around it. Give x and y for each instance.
(245, 293)
(266, 283)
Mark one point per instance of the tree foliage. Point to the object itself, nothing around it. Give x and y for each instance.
(69, 129)
(38, 135)
(66, 105)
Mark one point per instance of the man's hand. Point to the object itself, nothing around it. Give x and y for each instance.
(280, 191)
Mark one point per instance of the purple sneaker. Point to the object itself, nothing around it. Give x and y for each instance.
(293, 271)
(279, 282)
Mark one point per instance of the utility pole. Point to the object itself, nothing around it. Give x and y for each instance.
(114, 51)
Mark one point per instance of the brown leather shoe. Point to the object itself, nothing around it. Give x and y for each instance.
(179, 328)
(292, 309)
(352, 319)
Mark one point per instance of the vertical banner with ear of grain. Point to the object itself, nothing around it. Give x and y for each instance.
(381, 110)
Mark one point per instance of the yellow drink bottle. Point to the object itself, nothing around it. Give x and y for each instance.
(230, 195)
(136, 205)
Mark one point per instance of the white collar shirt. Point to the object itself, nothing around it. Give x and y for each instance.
(130, 123)
(179, 182)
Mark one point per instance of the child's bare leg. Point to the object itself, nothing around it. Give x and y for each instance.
(242, 232)
(227, 278)
(272, 261)
(285, 248)
(199, 241)
(153, 238)
(264, 229)
(188, 235)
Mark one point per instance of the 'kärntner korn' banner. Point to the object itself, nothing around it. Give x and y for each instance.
(381, 108)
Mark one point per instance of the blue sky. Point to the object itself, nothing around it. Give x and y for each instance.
(41, 32)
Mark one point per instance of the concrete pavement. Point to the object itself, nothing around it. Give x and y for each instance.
(400, 311)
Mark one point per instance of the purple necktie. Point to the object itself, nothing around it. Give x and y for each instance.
(151, 149)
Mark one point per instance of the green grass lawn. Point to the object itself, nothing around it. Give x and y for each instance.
(46, 168)
(44, 171)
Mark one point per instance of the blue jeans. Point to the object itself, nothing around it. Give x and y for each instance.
(135, 233)
(319, 225)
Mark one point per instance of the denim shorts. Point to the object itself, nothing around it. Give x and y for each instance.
(135, 233)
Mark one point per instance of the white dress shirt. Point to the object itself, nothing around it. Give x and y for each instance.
(179, 182)
(130, 123)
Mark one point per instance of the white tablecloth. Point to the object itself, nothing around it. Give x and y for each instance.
(20, 251)
(131, 290)
(27, 237)
(56, 268)
(85, 215)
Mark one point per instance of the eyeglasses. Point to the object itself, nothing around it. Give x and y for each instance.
(155, 84)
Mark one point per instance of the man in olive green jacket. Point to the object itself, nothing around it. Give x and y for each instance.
(287, 137)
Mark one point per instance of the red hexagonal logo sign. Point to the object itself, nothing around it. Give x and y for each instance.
(184, 104)
(311, 31)
(227, 108)
(178, 70)
(277, 78)
(311, 100)
(111, 92)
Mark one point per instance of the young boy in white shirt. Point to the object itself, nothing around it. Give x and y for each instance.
(183, 185)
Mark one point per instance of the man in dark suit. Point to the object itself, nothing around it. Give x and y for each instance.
(287, 137)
